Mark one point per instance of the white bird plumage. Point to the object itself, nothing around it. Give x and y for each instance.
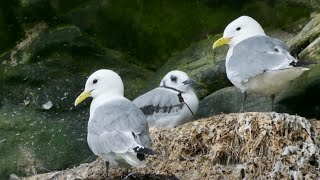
(117, 130)
(255, 62)
(172, 103)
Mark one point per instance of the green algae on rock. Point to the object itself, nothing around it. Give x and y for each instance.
(48, 67)
(62, 42)
(32, 141)
(201, 63)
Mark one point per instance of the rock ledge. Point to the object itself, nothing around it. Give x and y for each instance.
(236, 146)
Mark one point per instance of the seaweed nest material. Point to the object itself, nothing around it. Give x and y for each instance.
(227, 146)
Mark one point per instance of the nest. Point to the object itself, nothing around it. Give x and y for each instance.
(228, 146)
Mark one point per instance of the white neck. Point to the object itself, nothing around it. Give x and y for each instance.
(192, 100)
(235, 40)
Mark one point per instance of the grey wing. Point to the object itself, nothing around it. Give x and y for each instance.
(257, 55)
(118, 127)
(158, 103)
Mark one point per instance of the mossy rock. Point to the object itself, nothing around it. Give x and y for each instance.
(307, 35)
(10, 29)
(201, 63)
(298, 99)
(34, 141)
(312, 51)
(274, 13)
(54, 66)
(47, 66)
(309, 4)
(151, 31)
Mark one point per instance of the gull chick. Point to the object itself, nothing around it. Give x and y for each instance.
(255, 62)
(117, 130)
(171, 104)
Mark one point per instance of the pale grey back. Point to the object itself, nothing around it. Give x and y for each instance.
(116, 127)
(258, 54)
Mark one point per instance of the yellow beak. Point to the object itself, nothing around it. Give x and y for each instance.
(220, 42)
(82, 97)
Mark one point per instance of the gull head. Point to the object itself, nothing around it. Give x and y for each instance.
(178, 80)
(238, 30)
(101, 82)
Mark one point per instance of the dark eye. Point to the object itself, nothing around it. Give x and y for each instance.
(238, 28)
(173, 78)
(94, 81)
(276, 49)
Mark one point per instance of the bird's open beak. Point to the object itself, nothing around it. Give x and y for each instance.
(189, 81)
(220, 42)
(84, 95)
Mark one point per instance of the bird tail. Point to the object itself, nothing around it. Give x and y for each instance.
(303, 63)
(143, 150)
(133, 159)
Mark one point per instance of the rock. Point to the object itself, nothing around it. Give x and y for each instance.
(310, 4)
(34, 141)
(201, 63)
(142, 33)
(299, 99)
(312, 51)
(42, 76)
(53, 65)
(274, 13)
(48, 105)
(10, 29)
(306, 36)
(61, 42)
(232, 146)
(96, 170)
(207, 66)
(229, 100)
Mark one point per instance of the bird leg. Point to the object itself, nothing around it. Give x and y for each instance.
(107, 168)
(243, 101)
(272, 101)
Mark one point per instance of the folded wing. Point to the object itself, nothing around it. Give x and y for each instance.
(159, 103)
(118, 127)
(257, 55)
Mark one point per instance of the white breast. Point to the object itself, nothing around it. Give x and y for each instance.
(272, 82)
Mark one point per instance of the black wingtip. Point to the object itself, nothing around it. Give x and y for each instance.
(302, 63)
(143, 150)
(141, 157)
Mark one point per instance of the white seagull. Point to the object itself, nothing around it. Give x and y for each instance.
(255, 62)
(117, 130)
(172, 104)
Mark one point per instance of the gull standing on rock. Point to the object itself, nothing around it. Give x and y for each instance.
(255, 62)
(172, 104)
(117, 130)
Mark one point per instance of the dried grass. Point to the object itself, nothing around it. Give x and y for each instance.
(227, 146)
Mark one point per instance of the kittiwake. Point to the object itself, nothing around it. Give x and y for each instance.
(172, 104)
(117, 129)
(255, 62)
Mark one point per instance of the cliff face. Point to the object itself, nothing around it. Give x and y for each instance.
(233, 146)
(49, 47)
